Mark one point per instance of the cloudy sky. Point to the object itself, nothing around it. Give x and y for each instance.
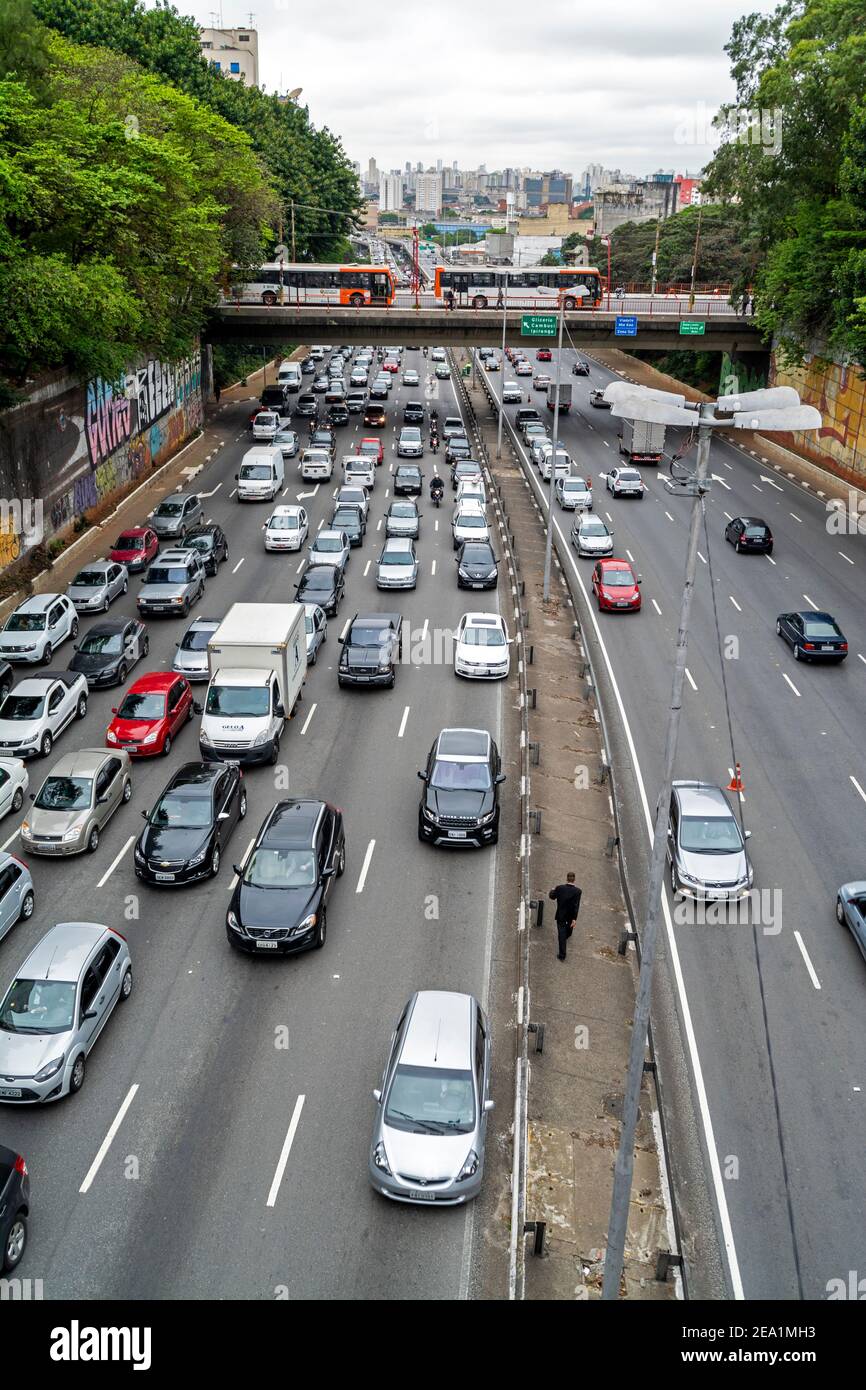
(618, 83)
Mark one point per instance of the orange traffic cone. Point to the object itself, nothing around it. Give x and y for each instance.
(736, 782)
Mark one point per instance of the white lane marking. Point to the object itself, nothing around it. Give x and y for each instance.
(365, 866)
(805, 954)
(16, 833)
(313, 708)
(436, 524)
(243, 861)
(238, 565)
(114, 863)
(860, 655)
(367, 568)
(757, 489)
(690, 679)
(630, 556)
(845, 557)
(379, 524)
(811, 602)
(858, 788)
(798, 519)
(668, 515)
(787, 678)
(346, 626)
(234, 489)
(656, 607)
(701, 558)
(300, 566)
(107, 1141)
(728, 515)
(771, 483)
(433, 567)
(734, 602)
(605, 443)
(402, 729)
(285, 1151)
(770, 558)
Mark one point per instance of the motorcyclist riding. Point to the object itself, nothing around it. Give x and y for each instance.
(437, 489)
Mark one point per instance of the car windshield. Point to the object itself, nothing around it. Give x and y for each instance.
(460, 777)
(142, 705)
(819, 629)
(89, 579)
(328, 544)
(169, 509)
(64, 794)
(258, 472)
(266, 418)
(477, 555)
(238, 701)
(284, 523)
(403, 509)
(431, 1100)
(281, 868)
(710, 835)
(129, 543)
(396, 557)
(285, 437)
(617, 579)
(369, 636)
(594, 528)
(483, 637)
(167, 574)
(195, 639)
(38, 1006)
(25, 622)
(411, 433)
(203, 543)
(22, 707)
(574, 485)
(346, 519)
(181, 812)
(470, 520)
(370, 449)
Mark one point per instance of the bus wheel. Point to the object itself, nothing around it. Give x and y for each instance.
(479, 302)
(570, 302)
(356, 300)
(269, 297)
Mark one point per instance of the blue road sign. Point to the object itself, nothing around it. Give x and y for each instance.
(625, 326)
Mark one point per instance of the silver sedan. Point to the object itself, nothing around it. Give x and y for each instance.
(96, 586)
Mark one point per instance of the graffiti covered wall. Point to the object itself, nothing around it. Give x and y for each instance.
(72, 447)
(838, 390)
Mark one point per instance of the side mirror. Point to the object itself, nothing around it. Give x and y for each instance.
(280, 710)
(327, 873)
(640, 579)
(748, 834)
(422, 775)
(377, 1096)
(101, 800)
(223, 815)
(489, 1105)
(237, 477)
(91, 1013)
(32, 796)
(198, 706)
(236, 869)
(500, 777)
(114, 709)
(341, 639)
(144, 815)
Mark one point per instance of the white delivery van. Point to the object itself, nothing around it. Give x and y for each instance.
(289, 375)
(257, 660)
(359, 470)
(262, 473)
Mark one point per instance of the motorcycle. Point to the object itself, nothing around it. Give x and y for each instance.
(436, 494)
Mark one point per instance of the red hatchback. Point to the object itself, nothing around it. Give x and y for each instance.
(543, 355)
(150, 715)
(135, 548)
(390, 365)
(616, 586)
(374, 448)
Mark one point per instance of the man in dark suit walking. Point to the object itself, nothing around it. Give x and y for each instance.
(567, 899)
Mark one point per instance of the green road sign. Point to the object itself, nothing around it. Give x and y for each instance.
(538, 325)
(688, 326)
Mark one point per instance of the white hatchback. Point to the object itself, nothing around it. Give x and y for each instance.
(286, 528)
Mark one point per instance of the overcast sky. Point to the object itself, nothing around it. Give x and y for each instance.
(627, 86)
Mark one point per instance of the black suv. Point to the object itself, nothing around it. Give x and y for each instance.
(190, 824)
(460, 804)
(212, 545)
(413, 413)
(279, 903)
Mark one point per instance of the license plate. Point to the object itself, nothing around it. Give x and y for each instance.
(622, 603)
(164, 878)
(477, 586)
(416, 1195)
(267, 945)
(828, 647)
(11, 1092)
(457, 834)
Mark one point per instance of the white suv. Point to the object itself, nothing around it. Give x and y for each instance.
(36, 628)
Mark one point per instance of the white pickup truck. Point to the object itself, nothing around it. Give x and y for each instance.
(37, 710)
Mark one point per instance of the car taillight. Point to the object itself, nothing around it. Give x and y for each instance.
(18, 861)
(21, 1166)
(808, 646)
(115, 932)
(843, 646)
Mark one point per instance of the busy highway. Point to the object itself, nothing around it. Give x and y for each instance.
(770, 1020)
(218, 1147)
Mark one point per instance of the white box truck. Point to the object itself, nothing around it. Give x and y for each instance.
(642, 441)
(257, 660)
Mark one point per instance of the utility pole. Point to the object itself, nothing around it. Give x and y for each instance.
(655, 258)
(624, 1167)
(695, 260)
(548, 547)
(502, 373)
(294, 254)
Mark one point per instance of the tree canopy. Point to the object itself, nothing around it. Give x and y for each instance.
(726, 253)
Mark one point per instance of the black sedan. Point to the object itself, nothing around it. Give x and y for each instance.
(189, 827)
(279, 904)
(477, 566)
(211, 544)
(813, 636)
(408, 481)
(749, 533)
(14, 1208)
(108, 651)
(321, 584)
(338, 414)
(350, 519)
(580, 368)
(460, 804)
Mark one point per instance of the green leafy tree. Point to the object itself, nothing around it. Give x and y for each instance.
(725, 254)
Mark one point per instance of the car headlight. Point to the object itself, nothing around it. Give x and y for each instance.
(50, 1069)
(384, 663)
(25, 827)
(431, 815)
(492, 574)
(470, 1167)
(73, 834)
(687, 878)
(233, 923)
(260, 739)
(750, 877)
(138, 856)
(151, 737)
(380, 1158)
(177, 600)
(482, 820)
(111, 737)
(307, 925)
(30, 647)
(199, 858)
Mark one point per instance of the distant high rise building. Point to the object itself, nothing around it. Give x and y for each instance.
(439, 166)
(428, 193)
(419, 167)
(372, 171)
(390, 192)
(233, 52)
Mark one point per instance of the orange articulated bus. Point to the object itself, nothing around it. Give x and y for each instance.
(487, 287)
(352, 285)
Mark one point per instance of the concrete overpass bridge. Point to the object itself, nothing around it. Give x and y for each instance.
(658, 326)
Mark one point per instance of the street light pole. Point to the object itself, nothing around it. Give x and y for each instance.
(548, 547)
(655, 258)
(502, 373)
(624, 1167)
(695, 258)
(607, 242)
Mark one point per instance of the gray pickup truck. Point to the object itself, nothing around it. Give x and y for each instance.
(372, 648)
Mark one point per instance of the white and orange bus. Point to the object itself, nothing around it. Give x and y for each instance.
(353, 285)
(485, 287)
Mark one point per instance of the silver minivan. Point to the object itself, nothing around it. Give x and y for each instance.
(55, 1009)
(431, 1117)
